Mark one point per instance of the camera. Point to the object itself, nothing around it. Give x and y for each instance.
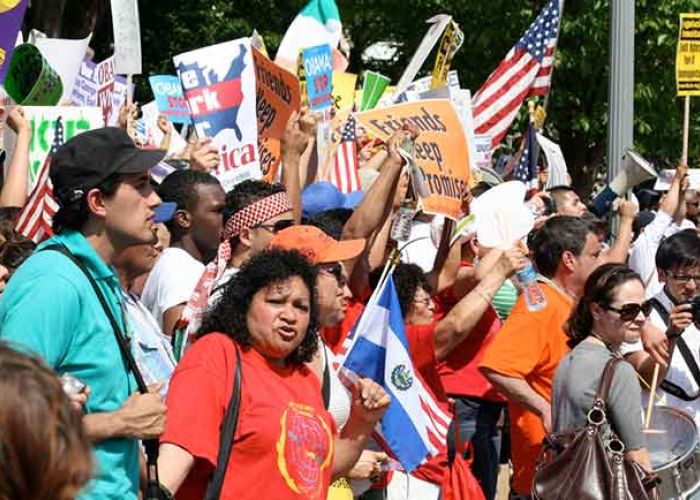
(695, 303)
(72, 386)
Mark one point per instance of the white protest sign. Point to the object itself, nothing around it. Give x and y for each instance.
(502, 218)
(462, 100)
(127, 37)
(65, 57)
(557, 170)
(483, 151)
(219, 86)
(97, 85)
(42, 121)
(663, 182)
(147, 130)
(437, 26)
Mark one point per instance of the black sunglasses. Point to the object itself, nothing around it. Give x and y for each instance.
(277, 226)
(629, 312)
(336, 270)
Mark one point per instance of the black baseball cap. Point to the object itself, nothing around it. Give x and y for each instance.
(88, 159)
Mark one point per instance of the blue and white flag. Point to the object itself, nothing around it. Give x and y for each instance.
(414, 427)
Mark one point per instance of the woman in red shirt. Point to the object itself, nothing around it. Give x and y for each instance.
(286, 445)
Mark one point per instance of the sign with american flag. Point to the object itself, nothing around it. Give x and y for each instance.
(344, 174)
(525, 72)
(35, 219)
(526, 170)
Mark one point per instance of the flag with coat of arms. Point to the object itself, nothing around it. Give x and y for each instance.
(414, 427)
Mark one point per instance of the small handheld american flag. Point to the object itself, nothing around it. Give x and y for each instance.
(525, 71)
(35, 219)
(526, 170)
(344, 174)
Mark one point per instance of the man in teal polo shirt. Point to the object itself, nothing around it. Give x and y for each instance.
(101, 183)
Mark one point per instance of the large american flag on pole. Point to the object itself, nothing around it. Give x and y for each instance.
(34, 221)
(344, 174)
(526, 71)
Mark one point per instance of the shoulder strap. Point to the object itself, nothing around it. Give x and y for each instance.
(228, 431)
(121, 341)
(326, 386)
(606, 380)
(659, 308)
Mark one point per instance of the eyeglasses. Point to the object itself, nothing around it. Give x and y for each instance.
(685, 278)
(628, 312)
(336, 271)
(277, 226)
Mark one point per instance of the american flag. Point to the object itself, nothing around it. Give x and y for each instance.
(344, 174)
(34, 221)
(525, 71)
(526, 169)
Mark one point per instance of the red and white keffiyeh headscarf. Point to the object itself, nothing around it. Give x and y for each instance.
(250, 216)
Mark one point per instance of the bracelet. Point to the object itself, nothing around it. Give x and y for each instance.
(483, 295)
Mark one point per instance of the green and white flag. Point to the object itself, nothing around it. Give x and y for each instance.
(317, 24)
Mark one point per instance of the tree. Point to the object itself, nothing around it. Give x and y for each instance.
(578, 109)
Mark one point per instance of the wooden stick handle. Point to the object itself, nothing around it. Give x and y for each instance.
(686, 130)
(652, 395)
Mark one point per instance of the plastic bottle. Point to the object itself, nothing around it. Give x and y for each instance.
(527, 280)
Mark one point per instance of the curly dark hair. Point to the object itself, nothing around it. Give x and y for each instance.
(407, 279)
(268, 267)
(600, 289)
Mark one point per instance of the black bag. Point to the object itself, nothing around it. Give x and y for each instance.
(579, 464)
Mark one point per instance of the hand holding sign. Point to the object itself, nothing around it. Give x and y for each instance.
(204, 156)
(294, 140)
(17, 121)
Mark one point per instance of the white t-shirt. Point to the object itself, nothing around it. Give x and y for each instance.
(678, 371)
(171, 282)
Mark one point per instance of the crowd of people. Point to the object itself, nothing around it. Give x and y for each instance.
(174, 334)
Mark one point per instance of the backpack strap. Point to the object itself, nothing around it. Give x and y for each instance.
(226, 435)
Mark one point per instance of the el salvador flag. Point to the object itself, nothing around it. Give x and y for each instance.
(414, 427)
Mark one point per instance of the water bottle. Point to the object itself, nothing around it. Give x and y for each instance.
(527, 280)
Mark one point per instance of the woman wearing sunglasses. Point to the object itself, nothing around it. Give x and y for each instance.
(611, 311)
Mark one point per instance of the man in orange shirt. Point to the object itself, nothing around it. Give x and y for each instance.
(523, 357)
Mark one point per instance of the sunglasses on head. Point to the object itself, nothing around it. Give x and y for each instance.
(277, 226)
(628, 312)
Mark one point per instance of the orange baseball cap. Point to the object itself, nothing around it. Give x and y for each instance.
(316, 245)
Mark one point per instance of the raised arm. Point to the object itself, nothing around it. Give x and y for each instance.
(14, 190)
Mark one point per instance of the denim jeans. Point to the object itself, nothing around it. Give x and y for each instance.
(478, 423)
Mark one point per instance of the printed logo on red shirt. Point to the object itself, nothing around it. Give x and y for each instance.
(304, 450)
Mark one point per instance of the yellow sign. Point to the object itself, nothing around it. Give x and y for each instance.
(441, 149)
(688, 56)
(343, 90)
(452, 40)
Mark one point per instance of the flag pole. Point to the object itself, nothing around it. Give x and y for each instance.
(556, 43)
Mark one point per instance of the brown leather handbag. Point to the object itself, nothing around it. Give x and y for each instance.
(580, 464)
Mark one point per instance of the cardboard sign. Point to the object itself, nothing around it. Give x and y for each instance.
(277, 96)
(11, 15)
(343, 90)
(127, 37)
(42, 120)
(441, 150)
(169, 98)
(66, 57)
(219, 86)
(97, 85)
(688, 56)
(318, 70)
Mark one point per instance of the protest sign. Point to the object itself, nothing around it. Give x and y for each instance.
(373, 87)
(219, 87)
(42, 119)
(11, 15)
(127, 37)
(169, 98)
(31, 81)
(277, 96)
(318, 70)
(148, 132)
(66, 57)
(344, 90)
(97, 85)
(452, 40)
(482, 147)
(441, 149)
(556, 164)
(663, 181)
(688, 56)
(462, 101)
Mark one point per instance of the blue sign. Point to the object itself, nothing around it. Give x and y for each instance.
(318, 69)
(169, 98)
